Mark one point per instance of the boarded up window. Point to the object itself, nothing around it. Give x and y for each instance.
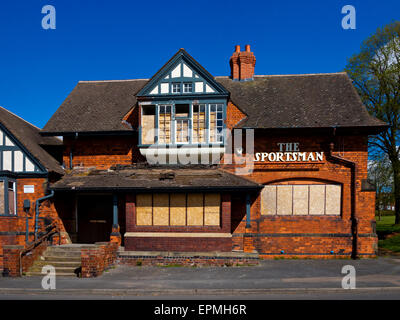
(199, 123)
(148, 124)
(2, 200)
(195, 211)
(333, 199)
(285, 201)
(161, 209)
(212, 203)
(178, 209)
(144, 210)
(316, 199)
(164, 124)
(300, 200)
(268, 200)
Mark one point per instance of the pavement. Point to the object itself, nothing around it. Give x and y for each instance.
(292, 279)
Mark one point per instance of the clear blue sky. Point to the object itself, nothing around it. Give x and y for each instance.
(116, 39)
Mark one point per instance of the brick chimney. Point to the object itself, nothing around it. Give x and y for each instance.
(242, 64)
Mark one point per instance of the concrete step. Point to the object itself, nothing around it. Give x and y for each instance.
(58, 274)
(60, 258)
(60, 253)
(38, 269)
(56, 263)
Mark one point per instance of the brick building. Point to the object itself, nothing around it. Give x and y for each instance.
(28, 162)
(161, 164)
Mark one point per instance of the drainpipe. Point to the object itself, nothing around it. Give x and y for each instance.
(37, 210)
(71, 151)
(353, 217)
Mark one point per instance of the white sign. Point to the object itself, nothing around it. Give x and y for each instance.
(289, 152)
(29, 189)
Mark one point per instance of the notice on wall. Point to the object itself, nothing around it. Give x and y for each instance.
(289, 152)
(29, 189)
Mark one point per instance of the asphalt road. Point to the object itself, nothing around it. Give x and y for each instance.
(272, 279)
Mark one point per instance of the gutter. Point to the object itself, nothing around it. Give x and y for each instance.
(353, 215)
(37, 210)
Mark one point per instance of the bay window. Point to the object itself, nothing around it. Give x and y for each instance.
(183, 123)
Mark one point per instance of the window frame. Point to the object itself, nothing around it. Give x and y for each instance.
(184, 87)
(186, 225)
(175, 85)
(292, 185)
(207, 135)
(222, 112)
(6, 212)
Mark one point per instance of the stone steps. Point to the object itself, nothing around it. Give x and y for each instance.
(66, 259)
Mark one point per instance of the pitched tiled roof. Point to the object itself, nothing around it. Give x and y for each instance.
(299, 101)
(29, 136)
(288, 101)
(155, 178)
(95, 106)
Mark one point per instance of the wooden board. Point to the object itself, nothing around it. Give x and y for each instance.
(161, 209)
(178, 209)
(333, 199)
(268, 200)
(285, 201)
(317, 199)
(148, 130)
(144, 210)
(300, 200)
(195, 210)
(212, 205)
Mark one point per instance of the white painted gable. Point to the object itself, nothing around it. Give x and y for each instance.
(179, 74)
(12, 158)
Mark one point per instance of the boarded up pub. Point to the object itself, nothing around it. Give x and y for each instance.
(306, 193)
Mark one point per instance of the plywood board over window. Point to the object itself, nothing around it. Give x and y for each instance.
(300, 200)
(148, 124)
(195, 212)
(268, 200)
(333, 199)
(161, 209)
(284, 206)
(144, 210)
(178, 209)
(212, 203)
(317, 199)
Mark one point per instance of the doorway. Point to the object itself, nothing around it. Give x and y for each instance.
(95, 216)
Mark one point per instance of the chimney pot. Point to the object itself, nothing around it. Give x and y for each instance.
(242, 64)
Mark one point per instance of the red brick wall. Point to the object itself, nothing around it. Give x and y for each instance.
(101, 152)
(233, 115)
(97, 259)
(314, 236)
(13, 228)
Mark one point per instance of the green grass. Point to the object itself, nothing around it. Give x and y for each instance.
(388, 233)
(386, 225)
